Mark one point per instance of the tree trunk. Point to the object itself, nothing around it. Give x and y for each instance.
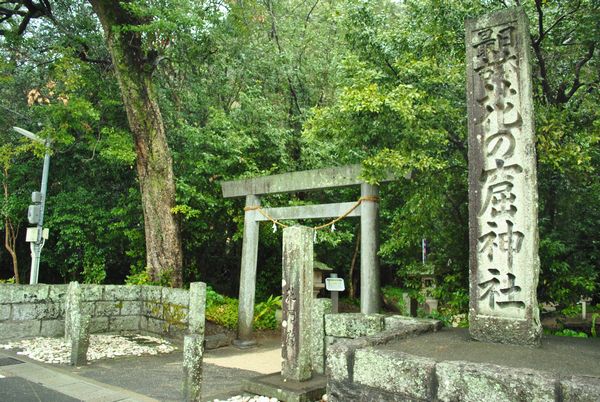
(133, 68)
(10, 233)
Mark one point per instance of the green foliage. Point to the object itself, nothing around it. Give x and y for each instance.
(393, 296)
(264, 313)
(595, 316)
(571, 333)
(9, 280)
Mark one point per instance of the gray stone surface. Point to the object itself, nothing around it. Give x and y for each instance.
(19, 329)
(320, 308)
(121, 292)
(10, 293)
(562, 356)
(98, 325)
(5, 311)
(72, 305)
(52, 328)
(395, 372)
(274, 386)
(353, 325)
(340, 359)
(346, 391)
(472, 382)
(309, 212)
(133, 307)
(399, 322)
(77, 325)
(580, 389)
(504, 262)
(57, 293)
(36, 311)
(107, 308)
(152, 293)
(193, 350)
(80, 338)
(197, 309)
(175, 296)
(297, 288)
(124, 323)
(92, 292)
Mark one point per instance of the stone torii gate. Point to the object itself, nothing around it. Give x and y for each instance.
(317, 179)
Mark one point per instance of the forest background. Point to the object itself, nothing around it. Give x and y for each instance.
(245, 88)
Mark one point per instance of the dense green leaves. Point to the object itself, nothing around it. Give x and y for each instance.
(260, 87)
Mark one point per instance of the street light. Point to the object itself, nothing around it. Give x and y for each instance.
(37, 235)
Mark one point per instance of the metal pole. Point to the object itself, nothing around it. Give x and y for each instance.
(36, 248)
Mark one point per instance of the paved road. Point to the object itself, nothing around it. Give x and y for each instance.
(145, 378)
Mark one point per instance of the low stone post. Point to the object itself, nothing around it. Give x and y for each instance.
(193, 349)
(193, 344)
(297, 286)
(320, 308)
(77, 325)
(197, 308)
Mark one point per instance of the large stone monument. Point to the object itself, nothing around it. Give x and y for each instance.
(504, 262)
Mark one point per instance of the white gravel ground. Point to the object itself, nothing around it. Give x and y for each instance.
(58, 351)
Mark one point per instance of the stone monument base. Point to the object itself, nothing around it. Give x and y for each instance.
(505, 330)
(273, 385)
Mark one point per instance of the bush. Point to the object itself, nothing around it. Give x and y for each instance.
(223, 310)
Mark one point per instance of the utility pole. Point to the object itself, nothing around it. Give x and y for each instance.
(36, 236)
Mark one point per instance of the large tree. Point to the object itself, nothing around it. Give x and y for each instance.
(134, 61)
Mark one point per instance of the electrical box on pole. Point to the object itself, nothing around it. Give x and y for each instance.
(33, 214)
(36, 197)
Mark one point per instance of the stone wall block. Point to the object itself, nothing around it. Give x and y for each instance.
(406, 375)
(340, 358)
(91, 292)
(107, 308)
(52, 328)
(10, 293)
(156, 326)
(20, 329)
(353, 325)
(124, 323)
(131, 308)
(580, 389)
(399, 322)
(197, 310)
(5, 312)
(122, 292)
(175, 296)
(57, 293)
(472, 382)
(345, 391)
(152, 309)
(36, 311)
(151, 293)
(99, 325)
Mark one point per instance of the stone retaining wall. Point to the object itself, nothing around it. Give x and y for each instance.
(361, 370)
(38, 310)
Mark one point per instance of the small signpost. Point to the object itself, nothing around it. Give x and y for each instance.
(334, 285)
